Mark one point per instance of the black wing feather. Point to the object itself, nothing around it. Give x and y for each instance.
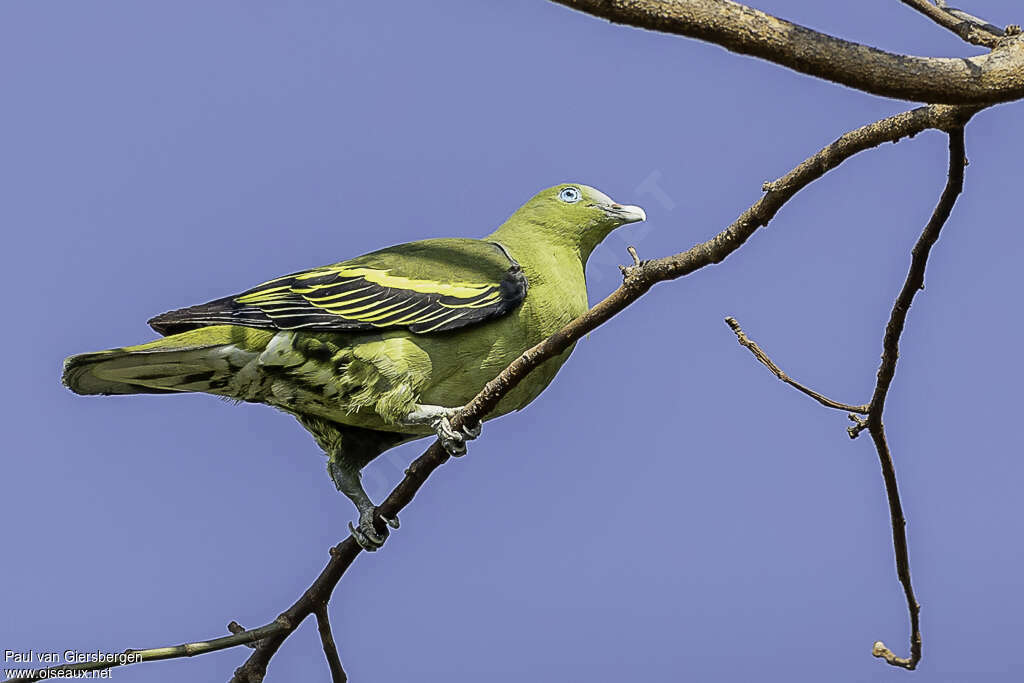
(338, 299)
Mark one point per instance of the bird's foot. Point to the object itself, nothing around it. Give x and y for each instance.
(440, 420)
(454, 441)
(473, 432)
(366, 533)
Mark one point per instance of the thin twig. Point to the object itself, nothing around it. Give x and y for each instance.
(157, 653)
(970, 18)
(746, 341)
(886, 370)
(977, 32)
(323, 625)
(625, 270)
(237, 628)
(915, 276)
(858, 426)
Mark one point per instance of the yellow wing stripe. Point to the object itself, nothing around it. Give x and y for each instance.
(363, 312)
(412, 317)
(337, 306)
(386, 312)
(263, 295)
(444, 322)
(433, 315)
(321, 285)
(310, 274)
(343, 309)
(349, 312)
(360, 294)
(461, 290)
(479, 303)
(335, 299)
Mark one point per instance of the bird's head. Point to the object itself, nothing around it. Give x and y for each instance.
(576, 215)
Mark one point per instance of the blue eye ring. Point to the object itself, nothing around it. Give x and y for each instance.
(570, 195)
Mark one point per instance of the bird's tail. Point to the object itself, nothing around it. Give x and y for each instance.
(206, 359)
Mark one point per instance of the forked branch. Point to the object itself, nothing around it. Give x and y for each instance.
(874, 410)
(969, 28)
(638, 279)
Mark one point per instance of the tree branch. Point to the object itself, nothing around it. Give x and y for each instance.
(890, 353)
(323, 625)
(760, 355)
(342, 555)
(915, 276)
(637, 280)
(985, 79)
(154, 654)
(874, 410)
(1010, 30)
(976, 32)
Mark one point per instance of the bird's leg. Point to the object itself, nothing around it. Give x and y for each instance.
(439, 419)
(348, 481)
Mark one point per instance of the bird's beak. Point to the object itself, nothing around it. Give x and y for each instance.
(626, 214)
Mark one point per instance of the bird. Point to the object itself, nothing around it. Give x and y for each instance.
(381, 349)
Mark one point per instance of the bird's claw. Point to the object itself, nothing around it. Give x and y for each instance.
(472, 432)
(455, 441)
(366, 534)
(361, 538)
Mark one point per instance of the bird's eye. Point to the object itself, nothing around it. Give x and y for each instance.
(569, 195)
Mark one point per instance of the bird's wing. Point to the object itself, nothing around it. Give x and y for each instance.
(429, 286)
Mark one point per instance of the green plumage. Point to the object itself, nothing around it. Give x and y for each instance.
(371, 352)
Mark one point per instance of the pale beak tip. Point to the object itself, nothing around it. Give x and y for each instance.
(632, 214)
(625, 213)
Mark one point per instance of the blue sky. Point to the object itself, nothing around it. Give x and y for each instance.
(666, 510)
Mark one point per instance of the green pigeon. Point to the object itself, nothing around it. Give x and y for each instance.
(384, 348)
